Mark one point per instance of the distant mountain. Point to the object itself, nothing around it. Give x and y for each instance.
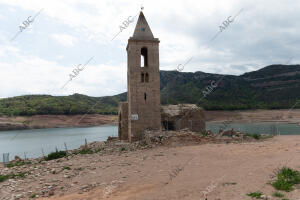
(272, 87)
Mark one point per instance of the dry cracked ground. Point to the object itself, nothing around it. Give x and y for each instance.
(224, 171)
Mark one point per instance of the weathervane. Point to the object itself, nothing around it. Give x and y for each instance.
(142, 7)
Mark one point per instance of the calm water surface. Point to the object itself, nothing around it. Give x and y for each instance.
(33, 141)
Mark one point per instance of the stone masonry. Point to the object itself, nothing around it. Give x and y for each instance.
(143, 82)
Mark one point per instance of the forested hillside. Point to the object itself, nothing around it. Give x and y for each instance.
(272, 87)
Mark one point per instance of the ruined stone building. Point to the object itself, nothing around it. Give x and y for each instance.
(143, 111)
(183, 116)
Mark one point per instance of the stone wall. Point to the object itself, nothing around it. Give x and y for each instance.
(182, 116)
(123, 121)
(143, 96)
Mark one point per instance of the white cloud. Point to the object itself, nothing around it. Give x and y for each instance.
(264, 31)
(65, 40)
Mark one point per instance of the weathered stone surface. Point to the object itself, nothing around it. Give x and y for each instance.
(143, 81)
(182, 116)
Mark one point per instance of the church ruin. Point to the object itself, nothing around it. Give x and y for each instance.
(143, 111)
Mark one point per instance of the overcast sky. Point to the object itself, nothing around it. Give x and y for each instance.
(71, 32)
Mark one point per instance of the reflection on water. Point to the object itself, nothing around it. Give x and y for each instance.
(34, 142)
(261, 128)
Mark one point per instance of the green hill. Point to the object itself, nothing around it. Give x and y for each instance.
(68, 105)
(272, 87)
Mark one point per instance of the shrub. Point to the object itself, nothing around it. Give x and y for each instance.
(19, 163)
(56, 155)
(3, 178)
(286, 178)
(256, 195)
(278, 194)
(122, 149)
(86, 151)
(255, 136)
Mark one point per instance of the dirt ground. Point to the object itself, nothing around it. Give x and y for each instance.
(211, 168)
(221, 171)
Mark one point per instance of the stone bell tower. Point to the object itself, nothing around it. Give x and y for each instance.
(144, 111)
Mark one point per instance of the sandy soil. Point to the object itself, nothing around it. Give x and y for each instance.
(209, 168)
(221, 171)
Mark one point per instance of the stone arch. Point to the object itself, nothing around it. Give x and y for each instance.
(144, 57)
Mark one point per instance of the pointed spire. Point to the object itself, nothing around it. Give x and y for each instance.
(142, 30)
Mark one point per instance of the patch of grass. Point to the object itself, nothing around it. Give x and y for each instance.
(286, 179)
(19, 163)
(278, 194)
(19, 175)
(56, 155)
(33, 196)
(123, 149)
(256, 195)
(67, 168)
(229, 183)
(98, 150)
(9, 176)
(86, 151)
(3, 178)
(254, 135)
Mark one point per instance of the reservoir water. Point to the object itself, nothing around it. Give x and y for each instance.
(33, 143)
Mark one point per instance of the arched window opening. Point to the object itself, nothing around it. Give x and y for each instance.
(145, 96)
(142, 78)
(147, 78)
(144, 57)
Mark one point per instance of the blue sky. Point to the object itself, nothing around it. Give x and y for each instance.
(68, 33)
